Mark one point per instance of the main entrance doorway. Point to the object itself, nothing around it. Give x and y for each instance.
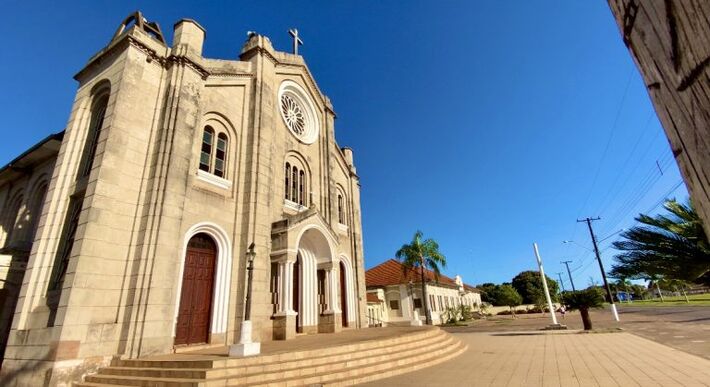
(193, 321)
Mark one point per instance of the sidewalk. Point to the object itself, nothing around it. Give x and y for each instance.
(561, 359)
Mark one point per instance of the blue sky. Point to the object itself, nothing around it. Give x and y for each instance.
(486, 126)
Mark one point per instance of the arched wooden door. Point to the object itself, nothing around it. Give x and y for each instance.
(193, 322)
(343, 295)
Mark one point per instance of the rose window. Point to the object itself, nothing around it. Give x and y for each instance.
(298, 112)
(292, 114)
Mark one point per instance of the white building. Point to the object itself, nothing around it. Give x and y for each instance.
(393, 297)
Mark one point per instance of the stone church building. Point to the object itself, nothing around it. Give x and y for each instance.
(126, 234)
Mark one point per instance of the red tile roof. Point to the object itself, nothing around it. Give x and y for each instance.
(372, 297)
(390, 273)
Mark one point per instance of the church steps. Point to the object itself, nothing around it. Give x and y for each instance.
(376, 375)
(355, 362)
(339, 364)
(281, 357)
(285, 369)
(359, 374)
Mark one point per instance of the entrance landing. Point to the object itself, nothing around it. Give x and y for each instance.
(346, 358)
(302, 343)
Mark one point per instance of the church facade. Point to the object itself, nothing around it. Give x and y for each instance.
(126, 234)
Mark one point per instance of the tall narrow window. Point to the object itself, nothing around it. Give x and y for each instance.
(206, 150)
(220, 155)
(341, 218)
(294, 184)
(67, 243)
(92, 138)
(301, 185)
(288, 181)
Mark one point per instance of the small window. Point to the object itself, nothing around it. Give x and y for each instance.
(294, 184)
(288, 181)
(221, 155)
(341, 217)
(206, 150)
(394, 304)
(301, 184)
(417, 303)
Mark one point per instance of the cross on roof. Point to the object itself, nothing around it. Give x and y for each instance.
(296, 40)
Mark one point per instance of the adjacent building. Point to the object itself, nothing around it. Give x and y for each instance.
(392, 296)
(126, 234)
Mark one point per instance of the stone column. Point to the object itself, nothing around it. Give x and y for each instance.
(285, 317)
(330, 321)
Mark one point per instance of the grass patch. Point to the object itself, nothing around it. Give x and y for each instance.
(695, 300)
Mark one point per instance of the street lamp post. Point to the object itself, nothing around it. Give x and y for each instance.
(247, 347)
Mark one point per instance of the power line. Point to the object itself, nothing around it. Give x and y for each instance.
(608, 142)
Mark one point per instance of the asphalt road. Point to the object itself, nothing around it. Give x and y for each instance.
(682, 327)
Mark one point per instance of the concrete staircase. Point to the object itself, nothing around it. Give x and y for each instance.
(338, 365)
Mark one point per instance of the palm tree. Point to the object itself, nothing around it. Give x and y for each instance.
(583, 300)
(422, 254)
(673, 246)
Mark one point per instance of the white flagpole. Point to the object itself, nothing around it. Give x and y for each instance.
(544, 285)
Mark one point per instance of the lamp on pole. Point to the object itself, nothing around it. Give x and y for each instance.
(246, 347)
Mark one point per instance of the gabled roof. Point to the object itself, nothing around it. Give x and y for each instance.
(390, 272)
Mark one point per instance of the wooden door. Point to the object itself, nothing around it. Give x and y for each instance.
(193, 322)
(296, 292)
(343, 296)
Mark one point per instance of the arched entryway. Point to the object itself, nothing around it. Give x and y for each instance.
(313, 250)
(196, 295)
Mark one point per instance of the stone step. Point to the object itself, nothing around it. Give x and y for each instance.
(353, 375)
(270, 371)
(334, 366)
(363, 361)
(118, 380)
(280, 357)
(377, 375)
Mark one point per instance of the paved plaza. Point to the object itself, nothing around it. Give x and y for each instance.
(529, 358)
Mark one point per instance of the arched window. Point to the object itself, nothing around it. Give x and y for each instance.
(295, 184)
(213, 152)
(341, 215)
(206, 149)
(10, 219)
(220, 156)
(288, 181)
(92, 138)
(301, 185)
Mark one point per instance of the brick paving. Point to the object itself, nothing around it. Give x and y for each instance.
(560, 359)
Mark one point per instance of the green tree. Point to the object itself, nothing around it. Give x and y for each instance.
(486, 289)
(419, 255)
(583, 300)
(506, 295)
(672, 246)
(529, 285)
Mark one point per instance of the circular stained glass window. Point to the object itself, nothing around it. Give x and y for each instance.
(299, 113)
(292, 114)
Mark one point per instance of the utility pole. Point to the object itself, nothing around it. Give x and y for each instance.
(601, 265)
(559, 275)
(569, 273)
